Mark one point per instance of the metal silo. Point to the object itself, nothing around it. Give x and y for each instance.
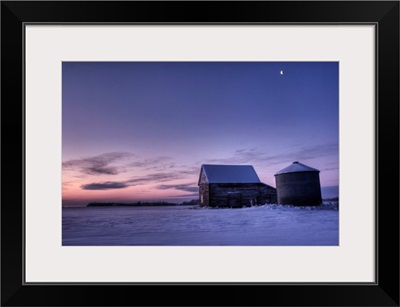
(299, 185)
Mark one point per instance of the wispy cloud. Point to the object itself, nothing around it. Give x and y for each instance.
(108, 185)
(192, 195)
(159, 170)
(190, 170)
(254, 155)
(181, 187)
(242, 156)
(67, 184)
(115, 163)
(155, 163)
(97, 165)
(156, 177)
(151, 178)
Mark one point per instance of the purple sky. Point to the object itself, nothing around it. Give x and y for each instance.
(141, 130)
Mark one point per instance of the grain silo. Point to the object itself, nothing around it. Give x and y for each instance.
(298, 185)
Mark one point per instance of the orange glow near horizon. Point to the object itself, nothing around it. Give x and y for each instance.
(92, 188)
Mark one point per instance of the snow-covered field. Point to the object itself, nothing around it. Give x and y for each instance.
(268, 225)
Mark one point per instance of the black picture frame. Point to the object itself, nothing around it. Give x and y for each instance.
(383, 14)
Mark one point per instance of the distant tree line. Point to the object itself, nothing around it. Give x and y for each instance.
(142, 204)
(191, 202)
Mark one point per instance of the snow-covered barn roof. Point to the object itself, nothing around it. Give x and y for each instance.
(296, 167)
(229, 173)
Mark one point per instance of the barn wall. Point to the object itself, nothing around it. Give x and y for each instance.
(204, 194)
(203, 178)
(268, 195)
(204, 190)
(239, 194)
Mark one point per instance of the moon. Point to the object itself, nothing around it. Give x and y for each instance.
(281, 72)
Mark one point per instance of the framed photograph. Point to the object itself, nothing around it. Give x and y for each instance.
(155, 150)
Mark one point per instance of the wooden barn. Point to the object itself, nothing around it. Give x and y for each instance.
(233, 186)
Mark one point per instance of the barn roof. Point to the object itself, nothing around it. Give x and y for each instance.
(296, 167)
(229, 173)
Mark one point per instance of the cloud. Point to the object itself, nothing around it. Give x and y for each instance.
(242, 156)
(182, 187)
(160, 168)
(192, 170)
(254, 155)
(97, 165)
(131, 182)
(192, 195)
(317, 151)
(158, 163)
(66, 184)
(156, 177)
(114, 163)
(108, 185)
(330, 169)
(150, 178)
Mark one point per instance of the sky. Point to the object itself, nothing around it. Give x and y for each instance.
(140, 131)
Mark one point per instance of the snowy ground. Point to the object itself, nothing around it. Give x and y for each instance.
(269, 225)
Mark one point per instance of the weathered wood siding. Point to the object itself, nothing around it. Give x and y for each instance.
(238, 194)
(204, 191)
(268, 194)
(204, 195)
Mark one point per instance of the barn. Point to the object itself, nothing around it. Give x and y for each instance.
(233, 186)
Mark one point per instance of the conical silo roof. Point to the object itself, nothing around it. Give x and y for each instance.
(296, 167)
